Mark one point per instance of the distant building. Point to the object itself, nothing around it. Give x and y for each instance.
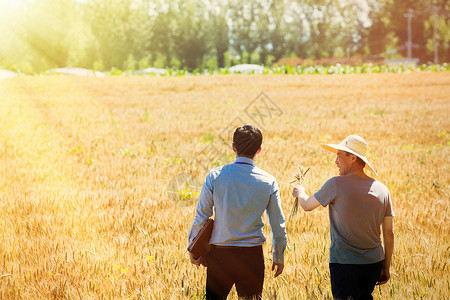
(246, 69)
(76, 72)
(7, 74)
(151, 71)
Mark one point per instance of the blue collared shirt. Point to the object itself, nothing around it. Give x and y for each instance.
(240, 193)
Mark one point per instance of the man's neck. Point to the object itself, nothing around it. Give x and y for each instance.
(237, 156)
(359, 172)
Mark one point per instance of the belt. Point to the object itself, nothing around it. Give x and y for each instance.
(232, 247)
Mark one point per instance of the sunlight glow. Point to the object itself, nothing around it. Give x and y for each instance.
(12, 3)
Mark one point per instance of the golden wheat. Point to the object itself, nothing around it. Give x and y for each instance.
(85, 210)
(299, 176)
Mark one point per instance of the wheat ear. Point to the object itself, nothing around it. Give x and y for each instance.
(299, 176)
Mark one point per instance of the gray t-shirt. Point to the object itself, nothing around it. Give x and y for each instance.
(357, 207)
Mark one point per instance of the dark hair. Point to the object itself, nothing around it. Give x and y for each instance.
(247, 139)
(358, 159)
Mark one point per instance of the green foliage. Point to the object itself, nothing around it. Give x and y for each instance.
(160, 61)
(115, 71)
(130, 63)
(175, 63)
(245, 57)
(144, 62)
(211, 62)
(230, 59)
(190, 34)
(388, 21)
(98, 65)
(220, 38)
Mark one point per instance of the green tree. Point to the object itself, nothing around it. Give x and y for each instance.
(376, 35)
(272, 29)
(297, 32)
(388, 17)
(278, 34)
(324, 28)
(161, 34)
(244, 30)
(44, 27)
(220, 29)
(119, 27)
(191, 33)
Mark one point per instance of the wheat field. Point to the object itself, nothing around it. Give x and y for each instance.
(99, 177)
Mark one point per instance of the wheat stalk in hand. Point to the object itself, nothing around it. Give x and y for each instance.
(299, 176)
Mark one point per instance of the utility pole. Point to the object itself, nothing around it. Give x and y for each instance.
(435, 44)
(409, 15)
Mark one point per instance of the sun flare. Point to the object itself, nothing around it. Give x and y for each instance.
(12, 3)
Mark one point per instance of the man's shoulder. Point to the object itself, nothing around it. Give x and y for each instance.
(381, 186)
(335, 179)
(256, 172)
(341, 181)
(264, 174)
(214, 172)
(352, 180)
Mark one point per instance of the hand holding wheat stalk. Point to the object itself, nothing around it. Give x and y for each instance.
(299, 176)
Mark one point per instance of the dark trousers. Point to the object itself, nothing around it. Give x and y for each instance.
(354, 281)
(241, 266)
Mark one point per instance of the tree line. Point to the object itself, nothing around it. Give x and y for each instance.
(134, 34)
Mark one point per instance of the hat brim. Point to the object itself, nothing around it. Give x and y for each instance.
(335, 147)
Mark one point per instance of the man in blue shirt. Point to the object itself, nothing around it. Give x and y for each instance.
(239, 193)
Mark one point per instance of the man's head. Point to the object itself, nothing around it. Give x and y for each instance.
(351, 154)
(247, 141)
(348, 163)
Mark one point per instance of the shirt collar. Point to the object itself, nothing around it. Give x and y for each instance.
(245, 160)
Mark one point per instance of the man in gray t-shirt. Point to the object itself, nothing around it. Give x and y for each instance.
(358, 207)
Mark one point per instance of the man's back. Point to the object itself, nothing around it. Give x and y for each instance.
(357, 207)
(242, 192)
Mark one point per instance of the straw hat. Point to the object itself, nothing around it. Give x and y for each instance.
(353, 144)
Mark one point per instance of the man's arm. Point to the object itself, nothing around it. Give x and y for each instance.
(307, 203)
(388, 238)
(278, 227)
(203, 212)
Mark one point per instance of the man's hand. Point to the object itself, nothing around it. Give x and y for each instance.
(279, 268)
(384, 276)
(306, 202)
(299, 192)
(195, 261)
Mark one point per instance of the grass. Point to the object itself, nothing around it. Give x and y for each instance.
(85, 208)
(286, 69)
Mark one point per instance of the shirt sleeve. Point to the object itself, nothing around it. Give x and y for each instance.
(389, 212)
(277, 225)
(327, 192)
(204, 208)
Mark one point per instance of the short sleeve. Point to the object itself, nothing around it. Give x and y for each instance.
(327, 192)
(389, 212)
